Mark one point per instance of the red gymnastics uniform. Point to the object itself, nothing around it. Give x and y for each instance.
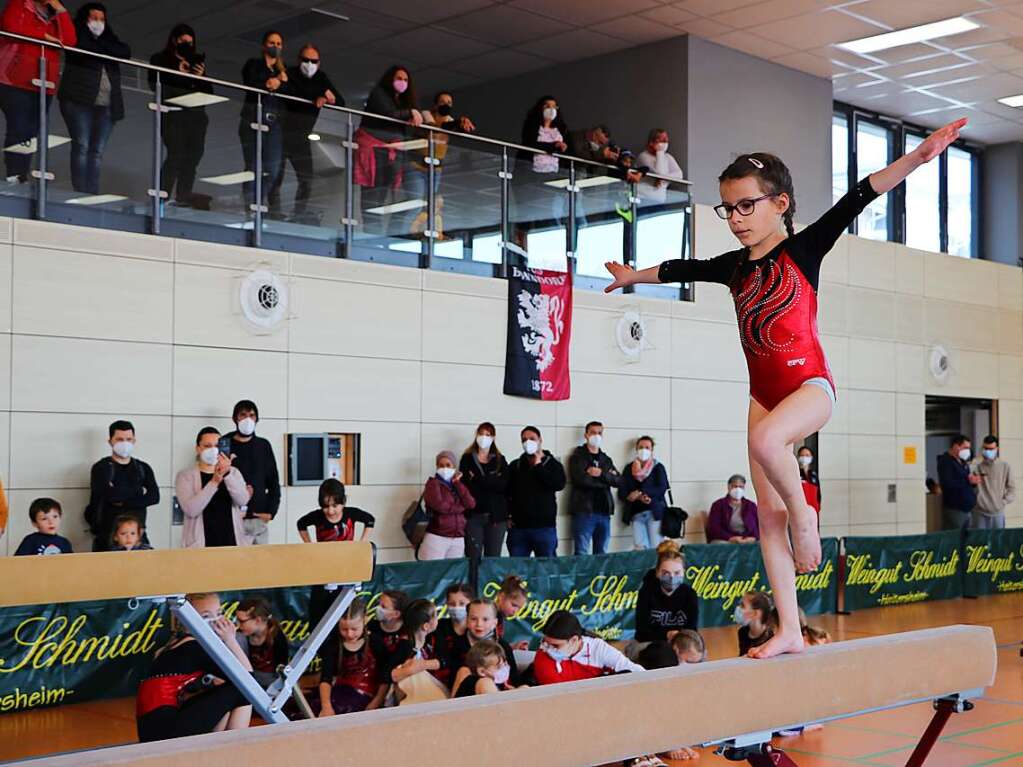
(776, 300)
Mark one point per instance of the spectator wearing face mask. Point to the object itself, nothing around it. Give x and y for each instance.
(666, 604)
(90, 94)
(544, 128)
(593, 144)
(183, 128)
(265, 72)
(19, 66)
(733, 519)
(996, 488)
(485, 472)
(643, 487)
(568, 653)
(593, 474)
(211, 495)
(809, 479)
(306, 80)
(119, 484)
(448, 501)
(534, 479)
(657, 160)
(958, 484)
(254, 458)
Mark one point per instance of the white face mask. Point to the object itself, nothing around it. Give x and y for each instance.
(247, 427)
(737, 493)
(96, 27)
(805, 460)
(530, 446)
(594, 440)
(484, 441)
(644, 454)
(550, 113)
(446, 473)
(964, 454)
(209, 455)
(123, 449)
(661, 147)
(309, 68)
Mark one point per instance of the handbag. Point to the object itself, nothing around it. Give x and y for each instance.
(415, 521)
(673, 523)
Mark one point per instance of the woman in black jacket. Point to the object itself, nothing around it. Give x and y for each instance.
(666, 604)
(545, 129)
(90, 94)
(485, 472)
(184, 128)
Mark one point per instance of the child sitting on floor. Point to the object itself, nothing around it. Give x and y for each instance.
(486, 670)
(689, 646)
(354, 675)
(753, 614)
(45, 514)
(510, 599)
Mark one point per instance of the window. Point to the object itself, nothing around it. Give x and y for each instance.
(960, 202)
(923, 204)
(839, 157)
(937, 208)
(873, 149)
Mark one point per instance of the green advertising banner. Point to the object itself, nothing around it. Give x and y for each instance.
(993, 562)
(721, 574)
(603, 590)
(901, 570)
(71, 653)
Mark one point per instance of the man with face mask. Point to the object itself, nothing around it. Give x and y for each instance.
(995, 490)
(733, 519)
(306, 80)
(958, 484)
(254, 458)
(593, 474)
(534, 479)
(119, 484)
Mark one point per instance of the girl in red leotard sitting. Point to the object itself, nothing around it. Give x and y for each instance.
(773, 281)
(183, 694)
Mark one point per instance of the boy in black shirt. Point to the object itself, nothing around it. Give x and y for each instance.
(333, 520)
(45, 514)
(119, 485)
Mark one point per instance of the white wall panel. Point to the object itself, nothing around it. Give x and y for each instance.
(208, 381)
(85, 295)
(871, 264)
(356, 320)
(472, 393)
(6, 260)
(709, 405)
(353, 388)
(470, 329)
(74, 375)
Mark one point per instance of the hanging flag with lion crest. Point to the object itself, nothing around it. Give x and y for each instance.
(539, 334)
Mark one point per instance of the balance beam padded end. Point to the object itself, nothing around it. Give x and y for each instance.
(603, 720)
(123, 575)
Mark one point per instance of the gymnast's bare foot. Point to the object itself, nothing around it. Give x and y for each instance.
(806, 540)
(780, 644)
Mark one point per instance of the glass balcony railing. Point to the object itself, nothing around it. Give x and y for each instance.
(201, 158)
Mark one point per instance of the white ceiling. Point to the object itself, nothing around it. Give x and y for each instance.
(454, 43)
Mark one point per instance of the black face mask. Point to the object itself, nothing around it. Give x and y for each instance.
(185, 49)
(444, 110)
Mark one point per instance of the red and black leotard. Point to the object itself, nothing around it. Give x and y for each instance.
(776, 300)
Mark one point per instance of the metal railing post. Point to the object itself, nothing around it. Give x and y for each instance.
(257, 206)
(570, 240)
(505, 176)
(426, 258)
(42, 138)
(156, 193)
(349, 215)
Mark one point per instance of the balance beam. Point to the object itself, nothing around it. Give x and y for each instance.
(168, 575)
(123, 575)
(735, 702)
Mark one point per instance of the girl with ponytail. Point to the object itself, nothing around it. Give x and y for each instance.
(773, 279)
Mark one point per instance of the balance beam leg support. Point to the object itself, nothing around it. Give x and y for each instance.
(943, 710)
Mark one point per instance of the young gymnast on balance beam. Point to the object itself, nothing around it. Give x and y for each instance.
(773, 280)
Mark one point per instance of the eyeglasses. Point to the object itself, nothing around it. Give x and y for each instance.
(745, 207)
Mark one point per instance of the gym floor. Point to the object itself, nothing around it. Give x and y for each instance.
(991, 734)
